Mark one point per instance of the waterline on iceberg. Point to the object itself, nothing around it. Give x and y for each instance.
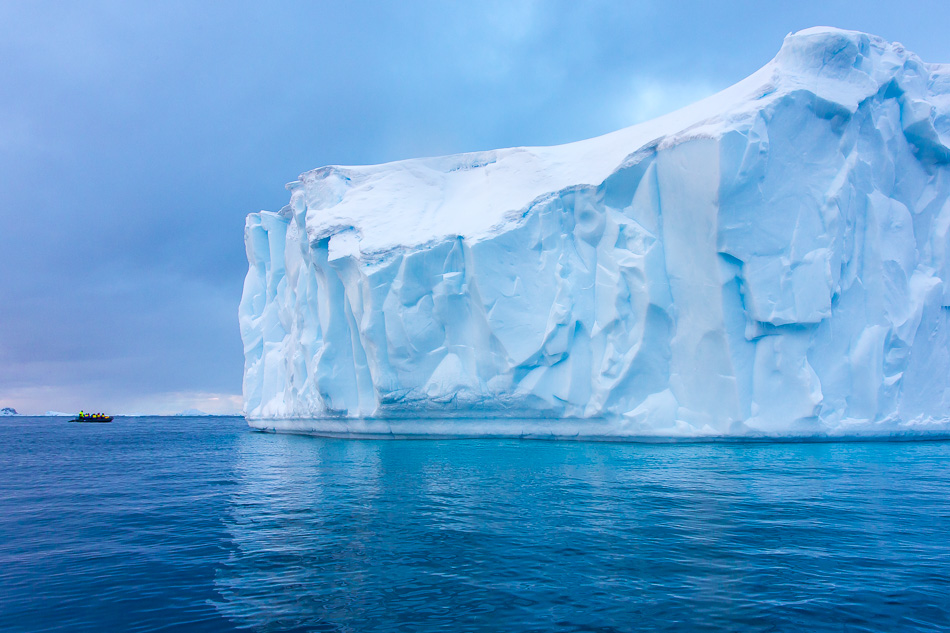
(581, 429)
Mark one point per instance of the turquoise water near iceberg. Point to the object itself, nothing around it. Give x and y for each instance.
(191, 524)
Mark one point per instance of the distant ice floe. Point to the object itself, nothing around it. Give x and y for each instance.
(771, 261)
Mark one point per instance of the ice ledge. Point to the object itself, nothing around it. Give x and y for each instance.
(581, 429)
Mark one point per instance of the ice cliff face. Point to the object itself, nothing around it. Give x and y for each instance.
(773, 260)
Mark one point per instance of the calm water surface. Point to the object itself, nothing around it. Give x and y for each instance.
(187, 524)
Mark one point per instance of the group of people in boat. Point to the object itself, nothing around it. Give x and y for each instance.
(83, 414)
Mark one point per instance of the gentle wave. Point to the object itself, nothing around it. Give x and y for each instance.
(151, 524)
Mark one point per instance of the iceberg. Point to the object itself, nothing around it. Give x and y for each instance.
(771, 261)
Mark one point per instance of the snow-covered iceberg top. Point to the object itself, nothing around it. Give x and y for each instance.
(770, 260)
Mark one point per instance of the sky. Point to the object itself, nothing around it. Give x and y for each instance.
(135, 136)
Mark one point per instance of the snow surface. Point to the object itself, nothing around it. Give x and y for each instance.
(773, 260)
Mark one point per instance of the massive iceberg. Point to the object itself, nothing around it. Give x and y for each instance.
(771, 261)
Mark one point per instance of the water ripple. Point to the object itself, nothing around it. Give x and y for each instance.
(201, 525)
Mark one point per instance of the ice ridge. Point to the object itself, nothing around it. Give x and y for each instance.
(773, 260)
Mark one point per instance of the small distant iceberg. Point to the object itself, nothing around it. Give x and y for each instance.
(57, 414)
(193, 413)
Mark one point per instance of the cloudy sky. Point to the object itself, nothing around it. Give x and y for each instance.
(135, 137)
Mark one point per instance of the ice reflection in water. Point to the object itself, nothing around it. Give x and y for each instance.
(504, 535)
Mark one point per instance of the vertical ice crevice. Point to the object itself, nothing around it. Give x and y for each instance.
(702, 378)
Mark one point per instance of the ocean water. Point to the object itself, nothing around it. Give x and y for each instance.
(190, 524)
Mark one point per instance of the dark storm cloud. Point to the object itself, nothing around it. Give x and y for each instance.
(134, 138)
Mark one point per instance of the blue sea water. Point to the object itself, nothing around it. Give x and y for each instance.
(191, 524)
